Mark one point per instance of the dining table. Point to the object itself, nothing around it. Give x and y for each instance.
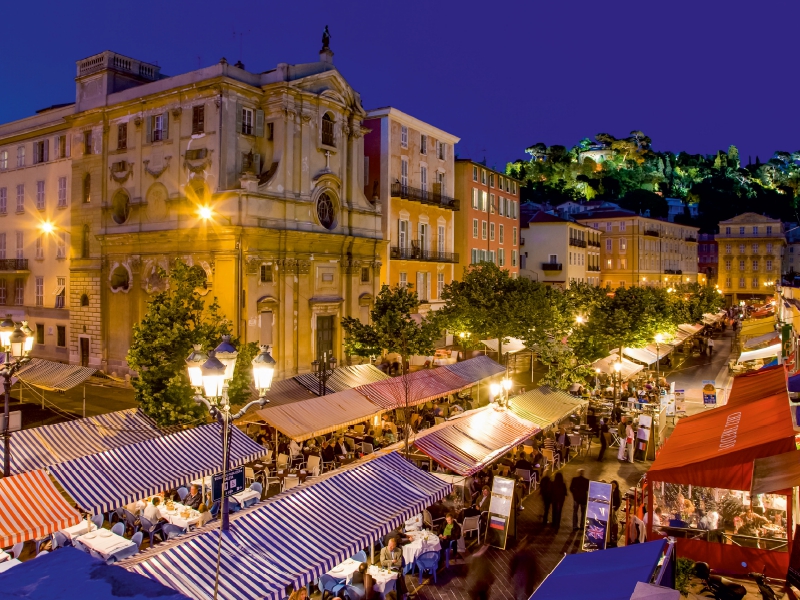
(421, 542)
(247, 497)
(8, 564)
(4, 556)
(383, 580)
(178, 515)
(344, 570)
(80, 529)
(105, 542)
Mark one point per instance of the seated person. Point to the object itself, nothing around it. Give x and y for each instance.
(283, 447)
(194, 499)
(295, 451)
(391, 555)
(151, 512)
(524, 463)
(437, 410)
(329, 451)
(481, 503)
(508, 460)
(205, 515)
(358, 580)
(398, 536)
(456, 409)
(750, 523)
(341, 448)
(450, 536)
(370, 438)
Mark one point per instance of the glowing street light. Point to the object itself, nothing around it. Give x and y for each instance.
(47, 227)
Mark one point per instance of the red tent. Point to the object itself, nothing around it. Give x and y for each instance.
(717, 448)
(758, 384)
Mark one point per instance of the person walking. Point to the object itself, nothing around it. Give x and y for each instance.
(630, 440)
(546, 489)
(579, 488)
(559, 493)
(616, 501)
(604, 435)
(710, 346)
(524, 572)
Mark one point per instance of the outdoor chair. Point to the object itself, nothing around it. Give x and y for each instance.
(471, 524)
(98, 521)
(330, 585)
(214, 510)
(290, 482)
(169, 531)
(16, 550)
(359, 429)
(117, 514)
(551, 459)
(234, 505)
(151, 529)
(137, 539)
(60, 540)
(360, 556)
(257, 487)
(249, 475)
(429, 522)
(351, 592)
(283, 461)
(41, 542)
(118, 528)
(327, 466)
(182, 493)
(78, 546)
(313, 464)
(366, 448)
(41, 553)
(131, 521)
(427, 561)
(267, 458)
(528, 477)
(122, 554)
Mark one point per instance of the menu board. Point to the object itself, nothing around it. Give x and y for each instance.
(501, 512)
(598, 517)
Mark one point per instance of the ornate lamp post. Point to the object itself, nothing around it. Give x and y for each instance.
(659, 341)
(322, 370)
(210, 375)
(16, 341)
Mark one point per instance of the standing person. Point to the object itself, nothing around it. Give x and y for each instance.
(524, 573)
(710, 346)
(616, 501)
(623, 444)
(579, 488)
(546, 489)
(630, 440)
(559, 491)
(479, 579)
(604, 434)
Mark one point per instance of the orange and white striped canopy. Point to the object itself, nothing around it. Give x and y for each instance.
(31, 508)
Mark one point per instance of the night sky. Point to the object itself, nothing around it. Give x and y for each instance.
(693, 75)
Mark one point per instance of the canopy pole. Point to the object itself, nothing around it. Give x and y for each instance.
(84, 400)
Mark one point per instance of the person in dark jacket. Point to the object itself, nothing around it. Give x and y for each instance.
(546, 489)
(579, 488)
(450, 535)
(616, 502)
(559, 494)
(524, 572)
(603, 440)
(329, 452)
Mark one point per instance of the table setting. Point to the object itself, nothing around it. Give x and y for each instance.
(178, 514)
(105, 542)
(383, 580)
(244, 496)
(80, 529)
(421, 542)
(344, 571)
(9, 563)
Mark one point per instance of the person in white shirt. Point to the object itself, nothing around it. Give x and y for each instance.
(151, 512)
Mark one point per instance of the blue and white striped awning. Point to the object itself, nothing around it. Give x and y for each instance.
(190, 568)
(107, 480)
(476, 369)
(295, 537)
(41, 447)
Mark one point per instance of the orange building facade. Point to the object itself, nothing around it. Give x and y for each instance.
(487, 226)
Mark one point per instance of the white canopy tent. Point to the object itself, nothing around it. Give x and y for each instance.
(767, 352)
(513, 345)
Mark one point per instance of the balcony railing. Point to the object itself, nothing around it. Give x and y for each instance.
(595, 244)
(13, 264)
(691, 238)
(652, 232)
(673, 272)
(576, 242)
(418, 195)
(593, 268)
(413, 253)
(550, 266)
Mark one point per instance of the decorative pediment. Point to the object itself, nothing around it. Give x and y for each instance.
(327, 179)
(156, 173)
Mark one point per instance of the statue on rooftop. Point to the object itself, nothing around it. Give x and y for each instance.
(326, 39)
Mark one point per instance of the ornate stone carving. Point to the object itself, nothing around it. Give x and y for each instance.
(121, 176)
(137, 120)
(305, 118)
(288, 265)
(376, 266)
(153, 277)
(135, 263)
(176, 112)
(156, 173)
(350, 267)
(252, 265)
(196, 167)
(303, 267)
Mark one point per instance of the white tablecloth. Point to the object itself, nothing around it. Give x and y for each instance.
(344, 570)
(105, 545)
(246, 495)
(79, 529)
(419, 545)
(174, 516)
(13, 562)
(4, 556)
(383, 581)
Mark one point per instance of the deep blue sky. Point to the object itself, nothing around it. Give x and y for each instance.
(695, 75)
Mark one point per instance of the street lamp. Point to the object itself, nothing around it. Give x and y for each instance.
(596, 379)
(16, 341)
(322, 370)
(617, 369)
(659, 340)
(210, 376)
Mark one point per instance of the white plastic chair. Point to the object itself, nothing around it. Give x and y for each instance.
(290, 482)
(527, 477)
(283, 461)
(249, 475)
(552, 459)
(359, 429)
(313, 464)
(366, 448)
(469, 525)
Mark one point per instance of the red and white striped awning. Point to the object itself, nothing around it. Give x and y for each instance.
(31, 508)
(414, 388)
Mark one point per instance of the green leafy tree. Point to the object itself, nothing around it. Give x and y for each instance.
(396, 328)
(176, 319)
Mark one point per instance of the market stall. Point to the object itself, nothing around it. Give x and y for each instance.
(628, 368)
(757, 384)
(545, 406)
(701, 483)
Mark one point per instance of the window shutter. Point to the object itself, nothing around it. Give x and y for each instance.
(257, 164)
(165, 130)
(149, 129)
(419, 286)
(238, 118)
(67, 145)
(259, 123)
(46, 156)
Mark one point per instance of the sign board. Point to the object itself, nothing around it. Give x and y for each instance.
(501, 512)
(709, 393)
(598, 517)
(786, 340)
(233, 484)
(14, 421)
(680, 401)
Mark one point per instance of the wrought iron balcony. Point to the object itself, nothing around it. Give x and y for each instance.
(593, 268)
(13, 264)
(577, 242)
(691, 238)
(550, 266)
(433, 197)
(673, 272)
(595, 244)
(416, 253)
(652, 232)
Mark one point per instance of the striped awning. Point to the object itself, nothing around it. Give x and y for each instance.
(468, 444)
(297, 536)
(50, 375)
(691, 329)
(545, 406)
(318, 416)
(31, 508)
(773, 337)
(107, 480)
(190, 568)
(476, 369)
(606, 365)
(285, 391)
(343, 378)
(51, 444)
(414, 388)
